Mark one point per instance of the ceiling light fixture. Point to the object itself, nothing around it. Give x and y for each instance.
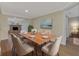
(26, 10)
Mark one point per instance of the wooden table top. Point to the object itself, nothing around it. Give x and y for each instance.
(38, 37)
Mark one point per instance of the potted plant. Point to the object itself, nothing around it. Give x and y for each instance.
(30, 27)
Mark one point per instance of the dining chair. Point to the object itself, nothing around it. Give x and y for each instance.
(0, 48)
(20, 48)
(52, 48)
(0, 51)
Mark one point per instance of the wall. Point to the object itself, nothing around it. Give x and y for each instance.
(58, 29)
(58, 19)
(70, 21)
(21, 21)
(5, 21)
(36, 23)
(72, 15)
(3, 27)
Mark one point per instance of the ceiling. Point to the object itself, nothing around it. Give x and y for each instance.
(73, 12)
(35, 9)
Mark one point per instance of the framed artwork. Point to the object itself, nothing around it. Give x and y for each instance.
(46, 23)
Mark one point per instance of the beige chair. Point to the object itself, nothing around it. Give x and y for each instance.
(19, 47)
(0, 48)
(0, 51)
(52, 48)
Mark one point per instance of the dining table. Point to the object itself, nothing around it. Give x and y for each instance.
(38, 40)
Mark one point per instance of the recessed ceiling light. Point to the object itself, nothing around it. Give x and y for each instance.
(26, 10)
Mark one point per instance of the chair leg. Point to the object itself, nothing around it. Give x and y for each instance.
(57, 54)
(13, 52)
(44, 54)
(32, 53)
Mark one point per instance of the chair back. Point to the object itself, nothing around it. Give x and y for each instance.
(0, 51)
(17, 44)
(55, 48)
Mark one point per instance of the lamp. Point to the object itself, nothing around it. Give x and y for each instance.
(75, 27)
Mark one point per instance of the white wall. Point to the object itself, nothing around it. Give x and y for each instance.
(37, 21)
(5, 21)
(70, 21)
(21, 21)
(3, 27)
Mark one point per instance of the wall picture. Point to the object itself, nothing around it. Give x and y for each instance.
(46, 23)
